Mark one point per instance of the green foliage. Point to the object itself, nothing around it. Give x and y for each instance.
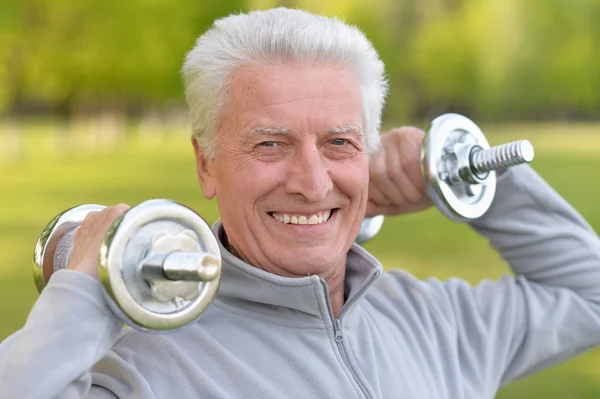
(101, 52)
(495, 59)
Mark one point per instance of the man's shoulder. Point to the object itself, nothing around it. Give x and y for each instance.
(150, 347)
(395, 281)
(403, 290)
(400, 291)
(139, 363)
(133, 345)
(404, 280)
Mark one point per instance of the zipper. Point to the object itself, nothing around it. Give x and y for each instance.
(339, 337)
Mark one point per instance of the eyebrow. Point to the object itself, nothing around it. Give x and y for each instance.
(283, 130)
(269, 130)
(345, 129)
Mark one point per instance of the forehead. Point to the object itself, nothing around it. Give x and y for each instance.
(294, 93)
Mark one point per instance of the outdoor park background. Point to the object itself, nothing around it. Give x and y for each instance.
(91, 111)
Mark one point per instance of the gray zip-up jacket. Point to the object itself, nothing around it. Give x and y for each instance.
(266, 336)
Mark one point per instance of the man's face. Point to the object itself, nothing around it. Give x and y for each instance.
(291, 172)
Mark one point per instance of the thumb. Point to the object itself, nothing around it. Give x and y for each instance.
(374, 209)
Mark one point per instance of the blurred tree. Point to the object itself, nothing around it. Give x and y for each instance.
(100, 53)
(493, 59)
(564, 58)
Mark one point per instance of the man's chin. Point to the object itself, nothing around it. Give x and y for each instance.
(310, 260)
(306, 246)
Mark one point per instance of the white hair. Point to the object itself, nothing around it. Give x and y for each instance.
(282, 34)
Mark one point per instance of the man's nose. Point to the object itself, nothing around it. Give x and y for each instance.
(309, 176)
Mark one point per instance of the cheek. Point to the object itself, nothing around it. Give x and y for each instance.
(248, 181)
(352, 178)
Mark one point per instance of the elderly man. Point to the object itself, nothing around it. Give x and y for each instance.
(286, 108)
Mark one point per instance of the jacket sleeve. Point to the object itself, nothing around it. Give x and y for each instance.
(68, 330)
(550, 310)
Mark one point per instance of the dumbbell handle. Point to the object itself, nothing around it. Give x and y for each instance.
(189, 266)
(62, 252)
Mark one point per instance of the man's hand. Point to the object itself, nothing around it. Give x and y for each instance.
(396, 185)
(89, 237)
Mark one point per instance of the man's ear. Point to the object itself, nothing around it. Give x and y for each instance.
(204, 174)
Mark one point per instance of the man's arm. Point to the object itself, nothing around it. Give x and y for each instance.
(550, 311)
(69, 329)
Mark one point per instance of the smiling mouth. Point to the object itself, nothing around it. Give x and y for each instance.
(315, 218)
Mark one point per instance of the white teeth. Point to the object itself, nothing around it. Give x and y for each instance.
(317, 218)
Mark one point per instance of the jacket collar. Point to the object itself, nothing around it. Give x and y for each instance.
(244, 286)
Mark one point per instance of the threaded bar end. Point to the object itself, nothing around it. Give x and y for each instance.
(501, 156)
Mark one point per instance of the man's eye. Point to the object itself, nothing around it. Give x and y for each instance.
(339, 142)
(268, 144)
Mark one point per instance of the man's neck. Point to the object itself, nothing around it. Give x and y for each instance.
(335, 280)
(337, 298)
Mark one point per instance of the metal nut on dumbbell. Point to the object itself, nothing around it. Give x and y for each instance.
(459, 169)
(159, 263)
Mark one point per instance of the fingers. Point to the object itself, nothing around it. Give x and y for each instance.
(410, 158)
(96, 224)
(376, 196)
(401, 158)
(396, 184)
(382, 188)
(374, 209)
(109, 214)
(88, 238)
(393, 168)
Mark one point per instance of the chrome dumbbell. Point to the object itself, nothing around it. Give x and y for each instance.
(459, 169)
(159, 263)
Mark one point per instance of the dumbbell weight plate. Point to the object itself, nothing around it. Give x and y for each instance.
(369, 228)
(156, 226)
(61, 227)
(458, 200)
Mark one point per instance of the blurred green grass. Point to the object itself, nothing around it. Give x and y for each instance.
(50, 176)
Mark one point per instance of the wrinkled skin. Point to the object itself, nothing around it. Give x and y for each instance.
(291, 143)
(287, 147)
